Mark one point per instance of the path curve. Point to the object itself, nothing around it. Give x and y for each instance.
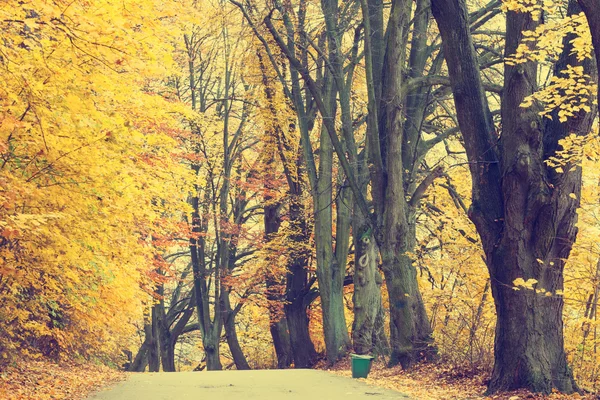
(245, 385)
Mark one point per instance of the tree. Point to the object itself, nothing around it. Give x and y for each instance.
(524, 210)
(293, 287)
(220, 206)
(85, 146)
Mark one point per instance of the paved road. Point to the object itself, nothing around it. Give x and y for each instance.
(245, 385)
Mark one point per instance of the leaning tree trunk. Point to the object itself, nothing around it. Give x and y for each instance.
(524, 211)
(141, 358)
(231, 333)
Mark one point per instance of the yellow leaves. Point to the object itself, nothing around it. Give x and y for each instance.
(569, 94)
(534, 7)
(526, 284)
(572, 151)
(89, 164)
(545, 43)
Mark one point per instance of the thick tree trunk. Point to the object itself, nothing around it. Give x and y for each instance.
(167, 353)
(165, 341)
(329, 271)
(381, 345)
(366, 327)
(297, 291)
(302, 346)
(529, 345)
(141, 358)
(210, 342)
(154, 345)
(275, 283)
(281, 342)
(291, 340)
(410, 331)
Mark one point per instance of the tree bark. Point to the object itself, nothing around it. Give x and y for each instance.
(367, 293)
(303, 349)
(592, 13)
(153, 345)
(276, 142)
(297, 290)
(281, 342)
(141, 358)
(275, 286)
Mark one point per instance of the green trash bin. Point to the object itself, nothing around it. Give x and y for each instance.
(361, 365)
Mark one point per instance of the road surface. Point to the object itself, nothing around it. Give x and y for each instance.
(244, 385)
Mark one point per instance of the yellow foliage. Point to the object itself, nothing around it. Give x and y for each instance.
(88, 168)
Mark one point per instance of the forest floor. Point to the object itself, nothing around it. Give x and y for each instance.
(45, 380)
(441, 382)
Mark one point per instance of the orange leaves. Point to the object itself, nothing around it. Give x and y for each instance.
(43, 380)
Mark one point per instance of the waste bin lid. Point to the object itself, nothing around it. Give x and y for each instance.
(362, 356)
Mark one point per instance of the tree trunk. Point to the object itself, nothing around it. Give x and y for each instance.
(274, 282)
(302, 346)
(381, 345)
(529, 345)
(281, 342)
(169, 336)
(297, 290)
(154, 345)
(167, 353)
(210, 342)
(141, 358)
(328, 269)
(367, 292)
(592, 13)
(410, 332)
(296, 281)
(231, 334)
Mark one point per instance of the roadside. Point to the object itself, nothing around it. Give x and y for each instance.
(440, 382)
(45, 380)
